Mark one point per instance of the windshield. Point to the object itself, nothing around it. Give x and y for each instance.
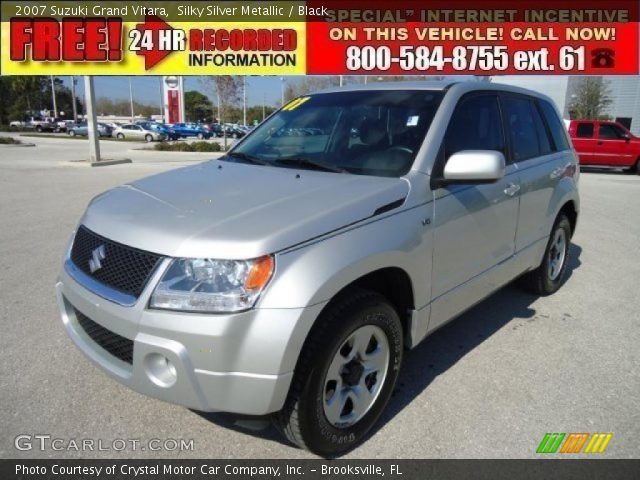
(363, 132)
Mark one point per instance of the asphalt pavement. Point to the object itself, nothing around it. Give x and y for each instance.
(488, 385)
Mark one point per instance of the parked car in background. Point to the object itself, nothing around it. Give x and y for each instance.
(168, 132)
(138, 132)
(43, 124)
(605, 144)
(191, 130)
(18, 124)
(82, 130)
(240, 304)
(216, 129)
(235, 131)
(66, 125)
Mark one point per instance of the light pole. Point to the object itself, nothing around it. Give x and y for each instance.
(92, 121)
(131, 99)
(73, 99)
(162, 119)
(53, 96)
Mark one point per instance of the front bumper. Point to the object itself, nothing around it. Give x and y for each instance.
(240, 363)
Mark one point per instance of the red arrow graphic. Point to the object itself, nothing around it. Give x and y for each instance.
(153, 55)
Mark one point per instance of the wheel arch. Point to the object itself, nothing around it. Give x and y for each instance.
(570, 210)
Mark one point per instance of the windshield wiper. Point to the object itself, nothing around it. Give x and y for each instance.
(311, 164)
(248, 158)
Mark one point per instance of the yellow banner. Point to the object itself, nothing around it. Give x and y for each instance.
(185, 48)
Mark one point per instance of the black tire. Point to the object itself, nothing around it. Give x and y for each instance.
(72, 133)
(39, 129)
(120, 136)
(539, 281)
(636, 169)
(302, 419)
(200, 136)
(148, 138)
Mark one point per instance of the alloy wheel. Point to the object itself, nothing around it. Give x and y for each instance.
(355, 376)
(557, 254)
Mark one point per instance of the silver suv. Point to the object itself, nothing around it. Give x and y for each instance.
(288, 276)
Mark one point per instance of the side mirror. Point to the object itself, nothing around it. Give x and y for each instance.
(474, 166)
(626, 137)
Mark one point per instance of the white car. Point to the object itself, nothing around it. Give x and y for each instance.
(138, 132)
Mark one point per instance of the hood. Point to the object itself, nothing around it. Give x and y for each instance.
(228, 210)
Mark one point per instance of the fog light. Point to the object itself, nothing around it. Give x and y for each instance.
(160, 370)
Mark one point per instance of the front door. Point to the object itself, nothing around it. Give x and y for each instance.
(475, 225)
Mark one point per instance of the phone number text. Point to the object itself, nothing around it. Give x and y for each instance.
(468, 57)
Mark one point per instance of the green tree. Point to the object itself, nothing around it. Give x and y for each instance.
(27, 95)
(590, 99)
(198, 107)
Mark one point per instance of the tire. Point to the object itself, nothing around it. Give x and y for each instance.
(546, 279)
(72, 133)
(120, 136)
(200, 136)
(636, 169)
(148, 138)
(304, 419)
(39, 129)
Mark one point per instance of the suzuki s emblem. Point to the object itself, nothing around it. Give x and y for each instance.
(97, 256)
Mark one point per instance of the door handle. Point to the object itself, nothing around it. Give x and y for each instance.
(512, 189)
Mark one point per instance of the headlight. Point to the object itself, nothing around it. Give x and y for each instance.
(207, 285)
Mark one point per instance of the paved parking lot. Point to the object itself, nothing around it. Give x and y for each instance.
(490, 384)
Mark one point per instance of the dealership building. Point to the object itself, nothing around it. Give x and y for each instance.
(623, 90)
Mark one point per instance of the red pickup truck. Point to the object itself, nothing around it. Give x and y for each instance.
(605, 144)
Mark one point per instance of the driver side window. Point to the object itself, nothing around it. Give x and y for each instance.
(475, 125)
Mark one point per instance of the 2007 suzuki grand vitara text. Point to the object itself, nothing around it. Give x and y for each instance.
(287, 277)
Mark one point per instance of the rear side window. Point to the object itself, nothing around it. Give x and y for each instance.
(606, 131)
(519, 118)
(584, 130)
(475, 125)
(544, 141)
(556, 127)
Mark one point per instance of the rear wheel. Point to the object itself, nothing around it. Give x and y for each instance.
(120, 136)
(72, 133)
(548, 277)
(39, 129)
(148, 138)
(345, 375)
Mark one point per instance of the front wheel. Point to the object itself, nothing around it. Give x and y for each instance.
(345, 375)
(72, 133)
(548, 277)
(148, 138)
(120, 136)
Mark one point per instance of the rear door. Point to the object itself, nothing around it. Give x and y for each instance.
(583, 135)
(540, 157)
